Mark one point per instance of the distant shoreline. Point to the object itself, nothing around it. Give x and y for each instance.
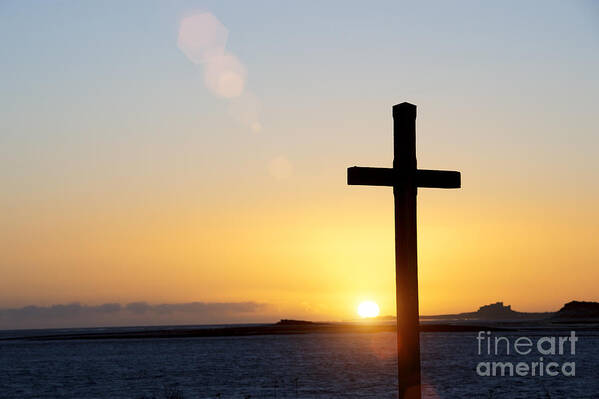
(494, 317)
(284, 327)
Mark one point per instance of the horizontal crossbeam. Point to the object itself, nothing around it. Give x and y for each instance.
(438, 178)
(360, 176)
(363, 176)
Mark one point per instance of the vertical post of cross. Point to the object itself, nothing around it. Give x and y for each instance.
(405, 179)
(406, 264)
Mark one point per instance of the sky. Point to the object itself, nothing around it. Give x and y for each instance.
(185, 161)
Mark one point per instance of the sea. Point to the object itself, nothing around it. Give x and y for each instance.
(318, 365)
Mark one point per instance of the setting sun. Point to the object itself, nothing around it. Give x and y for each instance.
(368, 309)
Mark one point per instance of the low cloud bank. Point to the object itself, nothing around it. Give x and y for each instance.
(135, 313)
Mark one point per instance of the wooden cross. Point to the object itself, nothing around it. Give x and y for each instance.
(405, 178)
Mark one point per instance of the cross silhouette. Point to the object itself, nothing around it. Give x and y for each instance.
(405, 178)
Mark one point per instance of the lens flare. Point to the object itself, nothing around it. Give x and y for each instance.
(202, 37)
(225, 76)
(245, 109)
